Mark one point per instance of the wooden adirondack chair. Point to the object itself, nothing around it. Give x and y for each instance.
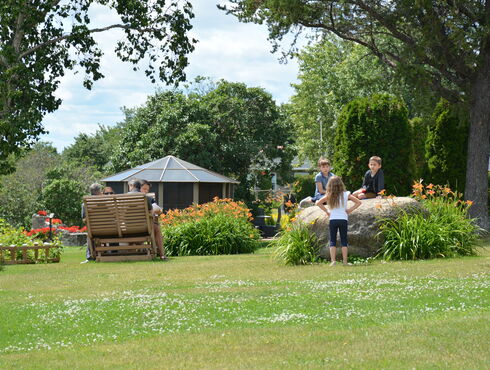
(120, 227)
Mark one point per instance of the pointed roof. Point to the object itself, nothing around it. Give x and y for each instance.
(170, 169)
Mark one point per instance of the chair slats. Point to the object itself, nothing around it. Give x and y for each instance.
(120, 218)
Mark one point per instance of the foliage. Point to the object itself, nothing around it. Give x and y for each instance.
(374, 126)
(40, 41)
(63, 197)
(297, 245)
(18, 236)
(94, 150)
(331, 74)
(407, 36)
(419, 128)
(446, 146)
(218, 227)
(20, 191)
(304, 186)
(230, 129)
(444, 230)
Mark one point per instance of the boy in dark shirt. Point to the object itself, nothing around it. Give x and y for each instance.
(374, 181)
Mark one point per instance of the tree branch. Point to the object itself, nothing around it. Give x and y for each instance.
(94, 30)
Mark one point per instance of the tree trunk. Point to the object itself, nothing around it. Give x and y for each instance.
(479, 146)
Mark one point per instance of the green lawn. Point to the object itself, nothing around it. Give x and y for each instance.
(245, 311)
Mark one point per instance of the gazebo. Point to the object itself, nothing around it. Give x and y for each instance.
(176, 183)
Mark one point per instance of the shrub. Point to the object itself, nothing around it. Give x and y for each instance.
(377, 125)
(304, 186)
(297, 245)
(419, 130)
(218, 227)
(446, 146)
(443, 231)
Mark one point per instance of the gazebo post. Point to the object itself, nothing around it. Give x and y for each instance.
(195, 193)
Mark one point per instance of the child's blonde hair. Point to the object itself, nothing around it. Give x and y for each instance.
(322, 161)
(376, 159)
(335, 190)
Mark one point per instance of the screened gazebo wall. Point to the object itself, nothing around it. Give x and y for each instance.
(176, 183)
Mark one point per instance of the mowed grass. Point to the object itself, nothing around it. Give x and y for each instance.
(246, 311)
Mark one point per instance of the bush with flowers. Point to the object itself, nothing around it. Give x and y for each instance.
(218, 227)
(443, 231)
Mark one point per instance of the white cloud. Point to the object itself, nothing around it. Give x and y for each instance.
(226, 50)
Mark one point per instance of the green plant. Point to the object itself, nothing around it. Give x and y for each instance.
(218, 227)
(304, 186)
(297, 245)
(446, 146)
(377, 125)
(443, 230)
(10, 235)
(212, 235)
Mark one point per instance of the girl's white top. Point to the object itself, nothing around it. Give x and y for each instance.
(340, 213)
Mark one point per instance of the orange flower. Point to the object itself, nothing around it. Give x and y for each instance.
(469, 203)
(430, 186)
(382, 192)
(431, 192)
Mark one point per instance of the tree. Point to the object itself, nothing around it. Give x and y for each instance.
(20, 191)
(445, 147)
(375, 125)
(93, 150)
(40, 40)
(332, 73)
(229, 129)
(63, 197)
(444, 45)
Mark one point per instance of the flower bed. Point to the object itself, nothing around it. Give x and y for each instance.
(47, 252)
(20, 246)
(218, 227)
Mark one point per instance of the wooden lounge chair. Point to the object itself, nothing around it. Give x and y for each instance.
(120, 227)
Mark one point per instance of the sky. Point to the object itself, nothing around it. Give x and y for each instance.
(227, 49)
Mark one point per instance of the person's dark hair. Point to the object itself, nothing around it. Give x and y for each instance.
(145, 182)
(135, 183)
(95, 189)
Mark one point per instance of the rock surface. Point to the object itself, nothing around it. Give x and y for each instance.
(74, 239)
(363, 226)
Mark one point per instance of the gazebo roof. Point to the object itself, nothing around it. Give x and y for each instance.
(170, 169)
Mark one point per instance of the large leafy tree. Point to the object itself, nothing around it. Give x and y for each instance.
(94, 150)
(229, 129)
(331, 74)
(41, 39)
(444, 45)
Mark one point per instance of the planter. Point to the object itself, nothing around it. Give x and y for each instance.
(268, 231)
(8, 254)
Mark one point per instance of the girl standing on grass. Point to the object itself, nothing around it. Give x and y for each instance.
(336, 198)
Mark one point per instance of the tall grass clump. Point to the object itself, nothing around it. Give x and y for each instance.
(297, 244)
(443, 229)
(218, 227)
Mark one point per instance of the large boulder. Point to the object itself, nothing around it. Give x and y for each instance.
(363, 224)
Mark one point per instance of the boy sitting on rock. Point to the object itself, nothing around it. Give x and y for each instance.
(374, 181)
